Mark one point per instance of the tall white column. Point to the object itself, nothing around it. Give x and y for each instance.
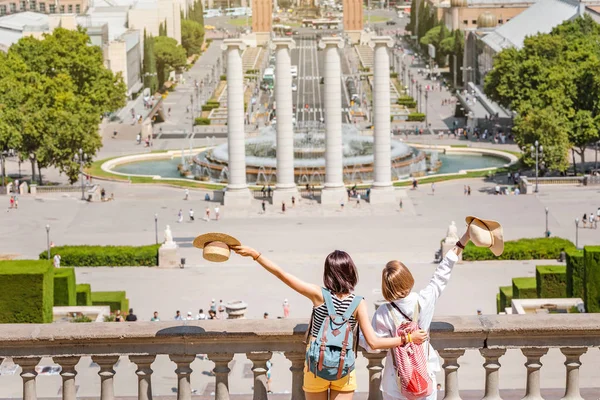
(333, 190)
(237, 193)
(382, 190)
(286, 186)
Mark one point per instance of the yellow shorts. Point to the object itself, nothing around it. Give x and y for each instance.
(314, 384)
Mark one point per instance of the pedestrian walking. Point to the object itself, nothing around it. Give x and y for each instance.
(56, 261)
(286, 308)
(187, 194)
(433, 188)
(283, 207)
(264, 207)
(138, 138)
(180, 216)
(293, 201)
(191, 215)
(468, 190)
(12, 201)
(217, 213)
(584, 220)
(207, 214)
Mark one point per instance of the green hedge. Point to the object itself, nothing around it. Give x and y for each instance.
(591, 256)
(498, 304)
(416, 117)
(116, 300)
(26, 291)
(64, 287)
(223, 77)
(575, 274)
(201, 121)
(210, 106)
(551, 281)
(106, 256)
(506, 296)
(84, 294)
(409, 103)
(522, 249)
(524, 288)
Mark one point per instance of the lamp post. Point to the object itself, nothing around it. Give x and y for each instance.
(547, 231)
(80, 158)
(576, 233)
(156, 227)
(48, 241)
(537, 151)
(419, 105)
(426, 108)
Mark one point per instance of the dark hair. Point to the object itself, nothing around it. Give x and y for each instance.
(340, 274)
(201, 311)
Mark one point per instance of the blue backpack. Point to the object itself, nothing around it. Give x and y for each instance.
(332, 354)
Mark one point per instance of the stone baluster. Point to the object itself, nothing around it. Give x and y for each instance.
(106, 363)
(451, 372)
(572, 364)
(28, 374)
(375, 373)
(221, 371)
(183, 371)
(297, 368)
(259, 368)
(144, 373)
(533, 365)
(68, 373)
(492, 372)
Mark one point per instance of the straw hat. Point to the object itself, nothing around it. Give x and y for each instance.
(215, 246)
(486, 233)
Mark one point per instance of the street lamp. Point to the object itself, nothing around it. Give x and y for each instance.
(547, 231)
(426, 108)
(48, 241)
(156, 227)
(419, 105)
(537, 151)
(576, 233)
(81, 158)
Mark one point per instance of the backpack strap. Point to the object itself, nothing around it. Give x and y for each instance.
(328, 302)
(401, 312)
(352, 307)
(343, 354)
(416, 312)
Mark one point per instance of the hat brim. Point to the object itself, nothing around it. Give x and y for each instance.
(202, 240)
(496, 231)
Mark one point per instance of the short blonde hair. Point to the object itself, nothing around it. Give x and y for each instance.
(396, 281)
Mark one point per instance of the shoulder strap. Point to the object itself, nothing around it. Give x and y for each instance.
(328, 302)
(416, 312)
(352, 307)
(400, 311)
(394, 316)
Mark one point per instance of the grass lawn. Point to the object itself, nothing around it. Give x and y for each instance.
(240, 21)
(375, 19)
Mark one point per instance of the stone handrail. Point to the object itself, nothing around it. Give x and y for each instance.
(492, 335)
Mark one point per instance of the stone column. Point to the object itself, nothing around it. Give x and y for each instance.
(572, 363)
(375, 373)
(286, 186)
(382, 191)
(333, 190)
(297, 369)
(492, 372)
(237, 194)
(106, 363)
(144, 373)
(28, 374)
(68, 374)
(259, 368)
(221, 371)
(533, 365)
(183, 371)
(451, 372)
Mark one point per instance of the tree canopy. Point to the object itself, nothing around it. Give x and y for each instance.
(169, 56)
(53, 93)
(554, 75)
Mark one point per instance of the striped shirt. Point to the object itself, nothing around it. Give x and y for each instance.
(320, 312)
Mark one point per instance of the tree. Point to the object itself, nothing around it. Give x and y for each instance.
(413, 17)
(192, 36)
(169, 56)
(149, 66)
(440, 37)
(162, 28)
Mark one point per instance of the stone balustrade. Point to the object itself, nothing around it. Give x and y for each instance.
(492, 335)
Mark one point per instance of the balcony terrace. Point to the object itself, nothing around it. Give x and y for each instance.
(142, 342)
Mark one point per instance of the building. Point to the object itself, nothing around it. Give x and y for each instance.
(43, 6)
(148, 15)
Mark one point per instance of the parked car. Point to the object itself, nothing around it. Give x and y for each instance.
(390, 23)
(294, 87)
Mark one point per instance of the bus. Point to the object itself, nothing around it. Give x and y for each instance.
(238, 11)
(211, 13)
(268, 80)
(282, 30)
(321, 23)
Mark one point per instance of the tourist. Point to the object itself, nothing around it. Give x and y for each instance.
(397, 285)
(468, 190)
(114, 136)
(206, 197)
(191, 213)
(201, 316)
(207, 214)
(479, 311)
(263, 190)
(131, 317)
(221, 310)
(266, 315)
(339, 279)
(293, 201)
(283, 207)
(269, 364)
(180, 216)
(118, 316)
(102, 194)
(217, 213)
(187, 194)
(138, 138)
(342, 204)
(178, 316)
(497, 190)
(212, 314)
(213, 305)
(592, 220)
(56, 261)
(269, 190)
(264, 207)
(465, 190)
(584, 220)
(189, 316)
(286, 309)
(155, 317)
(433, 188)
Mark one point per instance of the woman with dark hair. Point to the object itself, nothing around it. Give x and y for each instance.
(339, 279)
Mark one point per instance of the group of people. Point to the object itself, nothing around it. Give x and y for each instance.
(192, 217)
(591, 219)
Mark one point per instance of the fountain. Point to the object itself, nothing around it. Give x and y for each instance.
(309, 157)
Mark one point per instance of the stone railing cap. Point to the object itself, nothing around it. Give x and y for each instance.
(381, 40)
(228, 43)
(283, 42)
(331, 41)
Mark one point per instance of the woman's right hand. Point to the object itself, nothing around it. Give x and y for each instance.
(419, 336)
(245, 251)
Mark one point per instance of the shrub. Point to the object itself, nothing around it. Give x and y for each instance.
(416, 117)
(106, 256)
(84, 294)
(506, 296)
(64, 287)
(498, 304)
(210, 106)
(201, 121)
(551, 281)
(524, 288)
(116, 300)
(26, 291)
(407, 103)
(522, 249)
(591, 255)
(393, 74)
(223, 77)
(575, 274)
(82, 318)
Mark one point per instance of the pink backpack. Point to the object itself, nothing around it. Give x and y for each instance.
(410, 360)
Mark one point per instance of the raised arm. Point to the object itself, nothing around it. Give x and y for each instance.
(309, 290)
